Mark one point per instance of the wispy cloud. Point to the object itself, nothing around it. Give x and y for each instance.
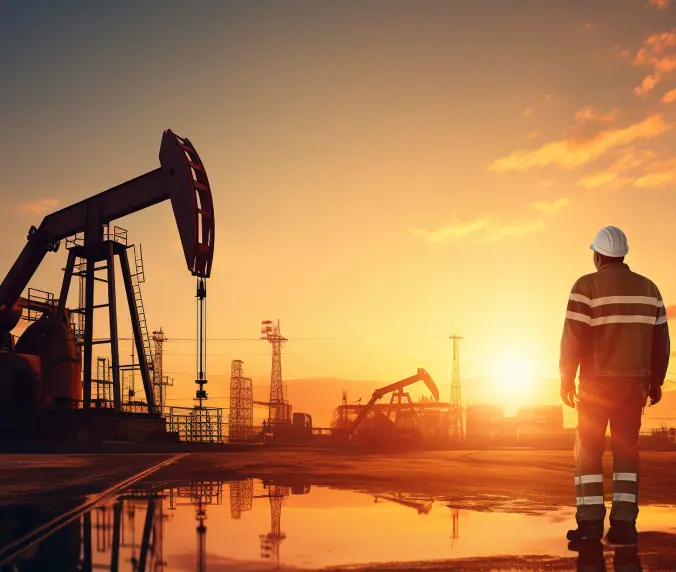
(660, 4)
(38, 207)
(490, 228)
(669, 97)
(487, 229)
(589, 113)
(550, 207)
(659, 53)
(643, 169)
(573, 152)
(586, 27)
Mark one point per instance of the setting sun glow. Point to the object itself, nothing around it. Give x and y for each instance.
(514, 378)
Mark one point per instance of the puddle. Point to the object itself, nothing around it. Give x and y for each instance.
(248, 525)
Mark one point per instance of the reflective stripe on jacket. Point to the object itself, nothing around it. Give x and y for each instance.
(616, 326)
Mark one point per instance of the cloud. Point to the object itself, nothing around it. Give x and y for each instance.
(549, 207)
(532, 135)
(589, 113)
(669, 97)
(660, 4)
(573, 152)
(527, 112)
(659, 53)
(643, 169)
(586, 27)
(39, 207)
(489, 229)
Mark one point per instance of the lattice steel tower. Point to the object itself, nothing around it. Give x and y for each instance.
(241, 404)
(456, 428)
(279, 410)
(159, 381)
(271, 542)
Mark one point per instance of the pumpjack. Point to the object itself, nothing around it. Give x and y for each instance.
(46, 369)
(384, 428)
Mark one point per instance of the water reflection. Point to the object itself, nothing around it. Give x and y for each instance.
(248, 525)
(591, 558)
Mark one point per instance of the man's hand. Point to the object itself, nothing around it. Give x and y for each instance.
(655, 393)
(568, 394)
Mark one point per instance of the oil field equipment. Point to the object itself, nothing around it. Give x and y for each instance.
(47, 370)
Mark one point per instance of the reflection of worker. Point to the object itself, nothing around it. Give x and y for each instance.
(616, 331)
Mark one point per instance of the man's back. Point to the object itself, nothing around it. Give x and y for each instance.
(614, 316)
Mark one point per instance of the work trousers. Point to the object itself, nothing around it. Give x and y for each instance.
(619, 401)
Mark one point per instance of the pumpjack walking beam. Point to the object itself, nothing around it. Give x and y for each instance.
(180, 178)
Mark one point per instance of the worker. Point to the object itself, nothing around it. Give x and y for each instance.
(616, 331)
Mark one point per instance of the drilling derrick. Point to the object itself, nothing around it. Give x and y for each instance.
(456, 425)
(279, 412)
(241, 404)
(160, 381)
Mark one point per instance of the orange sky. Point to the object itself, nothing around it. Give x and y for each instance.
(382, 171)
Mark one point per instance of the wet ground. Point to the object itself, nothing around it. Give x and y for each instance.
(312, 510)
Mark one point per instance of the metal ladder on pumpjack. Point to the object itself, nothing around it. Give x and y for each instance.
(138, 278)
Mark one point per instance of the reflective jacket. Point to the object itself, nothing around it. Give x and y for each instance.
(616, 326)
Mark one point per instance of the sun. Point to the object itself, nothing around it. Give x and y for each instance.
(514, 377)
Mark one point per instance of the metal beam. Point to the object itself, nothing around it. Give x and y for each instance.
(114, 343)
(136, 328)
(88, 334)
(124, 199)
(65, 286)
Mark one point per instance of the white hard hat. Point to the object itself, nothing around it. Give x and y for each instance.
(610, 241)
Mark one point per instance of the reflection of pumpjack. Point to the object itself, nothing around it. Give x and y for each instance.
(422, 507)
(406, 422)
(111, 537)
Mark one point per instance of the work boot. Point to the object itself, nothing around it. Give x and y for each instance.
(586, 530)
(622, 532)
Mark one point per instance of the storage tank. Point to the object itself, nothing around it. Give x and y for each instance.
(20, 387)
(54, 345)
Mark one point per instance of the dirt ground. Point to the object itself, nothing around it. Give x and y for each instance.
(509, 480)
(27, 478)
(514, 480)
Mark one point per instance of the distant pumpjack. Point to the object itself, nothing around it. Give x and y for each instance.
(279, 411)
(378, 394)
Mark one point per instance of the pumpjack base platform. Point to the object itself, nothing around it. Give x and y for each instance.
(84, 426)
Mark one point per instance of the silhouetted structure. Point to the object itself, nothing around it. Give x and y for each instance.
(456, 411)
(240, 421)
(279, 412)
